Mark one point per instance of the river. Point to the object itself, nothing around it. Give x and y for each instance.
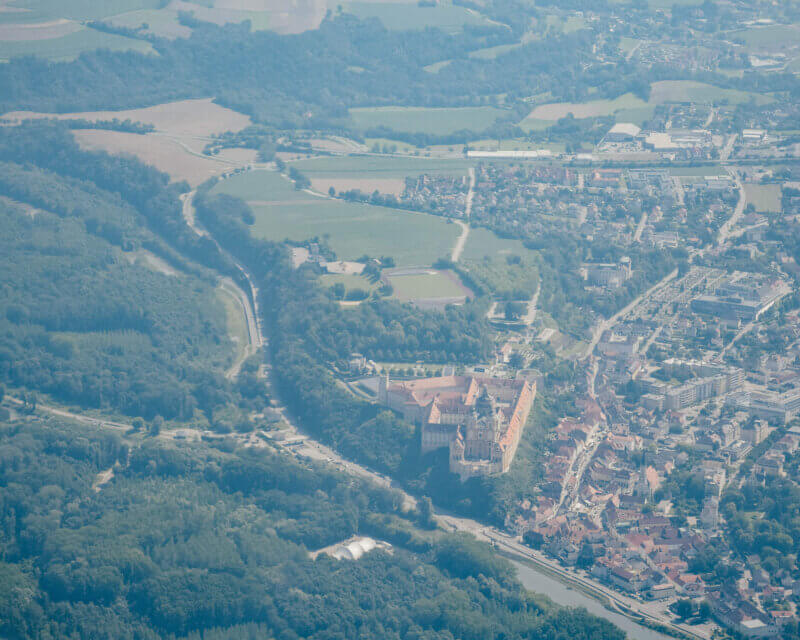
(561, 594)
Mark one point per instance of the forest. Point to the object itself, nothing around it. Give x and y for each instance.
(209, 541)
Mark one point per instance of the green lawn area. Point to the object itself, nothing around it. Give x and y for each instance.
(350, 281)
(261, 185)
(354, 229)
(404, 17)
(483, 243)
(41, 10)
(764, 197)
(433, 121)
(380, 167)
(431, 284)
(72, 45)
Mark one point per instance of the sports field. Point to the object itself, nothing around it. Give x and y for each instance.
(353, 230)
(433, 121)
(404, 17)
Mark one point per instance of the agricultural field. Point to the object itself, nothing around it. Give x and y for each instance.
(490, 52)
(403, 17)
(625, 107)
(48, 42)
(191, 118)
(691, 91)
(631, 108)
(79, 10)
(353, 229)
(281, 16)
(373, 167)
(160, 22)
(441, 121)
(764, 197)
(262, 187)
(503, 268)
(425, 285)
(437, 66)
(165, 154)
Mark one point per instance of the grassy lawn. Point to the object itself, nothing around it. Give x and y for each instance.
(430, 284)
(261, 185)
(764, 197)
(72, 45)
(483, 243)
(350, 281)
(381, 167)
(353, 230)
(424, 119)
(404, 17)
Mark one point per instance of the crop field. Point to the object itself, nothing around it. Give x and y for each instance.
(68, 46)
(424, 119)
(194, 118)
(374, 167)
(403, 17)
(282, 16)
(425, 284)
(625, 105)
(262, 186)
(353, 230)
(492, 52)
(367, 185)
(764, 197)
(691, 91)
(631, 108)
(41, 10)
(160, 22)
(163, 153)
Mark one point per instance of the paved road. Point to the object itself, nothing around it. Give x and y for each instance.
(249, 304)
(725, 230)
(462, 239)
(610, 322)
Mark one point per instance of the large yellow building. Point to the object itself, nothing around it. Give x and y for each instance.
(478, 418)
